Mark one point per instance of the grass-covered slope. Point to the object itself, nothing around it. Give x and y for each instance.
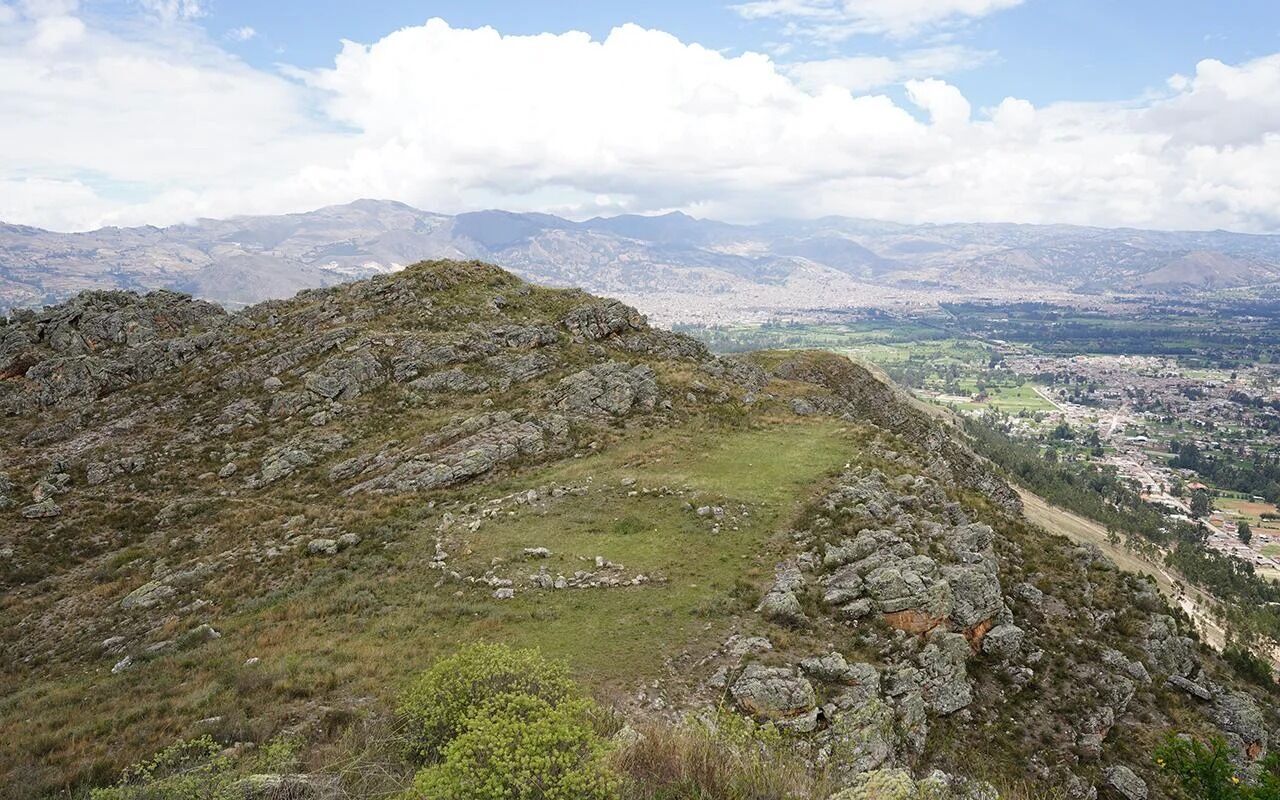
(269, 522)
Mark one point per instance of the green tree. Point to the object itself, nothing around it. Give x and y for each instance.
(1200, 504)
(1244, 531)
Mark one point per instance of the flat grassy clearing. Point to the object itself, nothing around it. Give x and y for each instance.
(365, 621)
(1247, 509)
(1011, 399)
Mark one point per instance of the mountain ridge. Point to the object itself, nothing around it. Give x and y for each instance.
(675, 266)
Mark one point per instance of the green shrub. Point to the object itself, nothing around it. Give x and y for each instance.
(191, 770)
(437, 704)
(196, 770)
(1206, 772)
(520, 747)
(1248, 666)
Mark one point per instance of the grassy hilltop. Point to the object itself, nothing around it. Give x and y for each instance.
(261, 526)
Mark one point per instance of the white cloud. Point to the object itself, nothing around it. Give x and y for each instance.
(840, 19)
(863, 73)
(174, 10)
(946, 106)
(55, 33)
(241, 34)
(125, 131)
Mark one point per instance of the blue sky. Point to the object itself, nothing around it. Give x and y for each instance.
(1046, 50)
(1142, 113)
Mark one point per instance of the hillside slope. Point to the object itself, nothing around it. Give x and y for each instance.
(241, 524)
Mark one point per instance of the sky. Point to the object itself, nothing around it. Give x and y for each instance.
(1135, 113)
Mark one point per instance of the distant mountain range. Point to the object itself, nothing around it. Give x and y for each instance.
(674, 266)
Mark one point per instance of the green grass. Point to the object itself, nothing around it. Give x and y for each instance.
(361, 624)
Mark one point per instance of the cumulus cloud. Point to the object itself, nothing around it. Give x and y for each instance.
(109, 130)
(840, 19)
(241, 34)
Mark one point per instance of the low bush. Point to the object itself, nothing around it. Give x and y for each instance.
(520, 747)
(1206, 772)
(196, 769)
(438, 703)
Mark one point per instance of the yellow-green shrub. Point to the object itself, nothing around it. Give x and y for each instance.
(439, 701)
(520, 747)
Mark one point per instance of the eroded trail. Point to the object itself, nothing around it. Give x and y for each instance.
(1085, 531)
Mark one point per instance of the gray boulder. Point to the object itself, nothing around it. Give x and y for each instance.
(1169, 653)
(147, 595)
(611, 389)
(781, 603)
(1003, 641)
(603, 319)
(773, 693)
(322, 547)
(862, 738)
(975, 594)
(45, 509)
(1120, 782)
(944, 677)
(1240, 718)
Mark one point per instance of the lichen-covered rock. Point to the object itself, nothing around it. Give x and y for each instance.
(149, 594)
(773, 693)
(1240, 718)
(612, 389)
(462, 452)
(944, 677)
(975, 594)
(44, 509)
(897, 784)
(450, 380)
(602, 319)
(862, 738)
(1169, 653)
(1121, 782)
(781, 603)
(1003, 641)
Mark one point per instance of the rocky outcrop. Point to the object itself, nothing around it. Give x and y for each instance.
(897, 784)
(612, 389)
(1121, 782)
(98, 343)
(459, 453)
(776, 694)
(782, 603)
(602, 319)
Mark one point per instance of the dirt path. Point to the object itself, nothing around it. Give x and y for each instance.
(1078, 529)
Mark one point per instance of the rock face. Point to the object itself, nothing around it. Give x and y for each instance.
(460, 453)
(1120, 782)
(612, 389)
(601, 320)
(98, 343)
(774, 694)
